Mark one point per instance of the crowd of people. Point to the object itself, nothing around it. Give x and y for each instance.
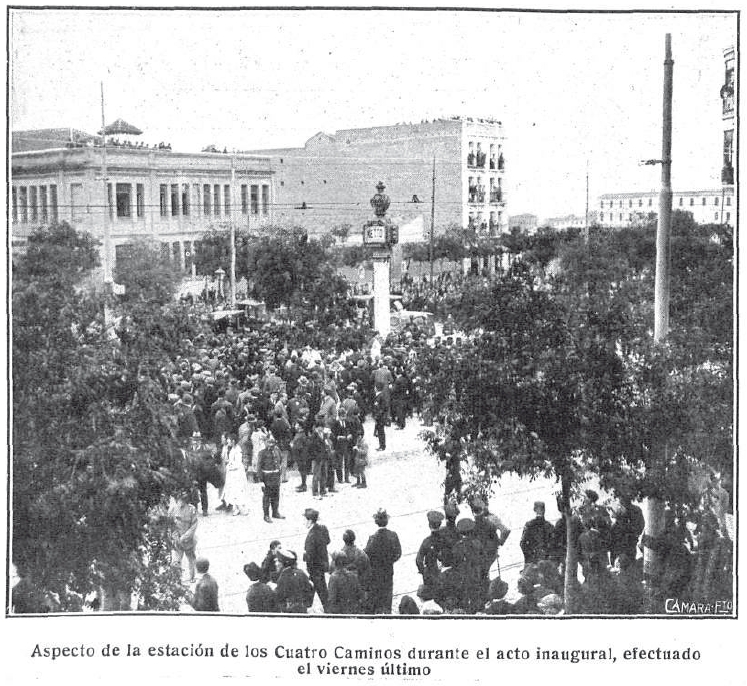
(251, 405)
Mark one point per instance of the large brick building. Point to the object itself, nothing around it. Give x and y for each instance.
(330, 180)
(152, 193)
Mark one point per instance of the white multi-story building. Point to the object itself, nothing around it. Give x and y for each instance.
(711, 206)
(330, 180)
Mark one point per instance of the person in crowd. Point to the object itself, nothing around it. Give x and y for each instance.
(491, 533)
(380, 414)
(408, 606)
(360, 460)
(383, 550)
(498, 605)
(536, 538)
(260, 597)
(281, 432)
(294, 591)
(318, 452)
(205, 597)
(527, 603)
(626, 529)
(345, 592)
(343, 440)
(430, 553)
(183, 517)
(270, 570)
(299, 455)
(356, 560)
(468, 560)
(315, 554)
(268, 468)
(236, 489)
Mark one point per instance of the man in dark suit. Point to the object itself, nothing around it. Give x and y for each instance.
(294, 591)
(383, 550)
(537, 536)
(205, 598)
(315, 554)
(260, 597)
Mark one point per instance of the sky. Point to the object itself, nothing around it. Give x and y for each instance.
(574, 91)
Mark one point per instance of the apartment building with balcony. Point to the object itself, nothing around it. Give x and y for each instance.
(710, 206)
(728, 98)
(330, 180)
(154, 193)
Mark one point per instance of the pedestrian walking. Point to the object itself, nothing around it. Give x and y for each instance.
(315, 554)
(268, 467)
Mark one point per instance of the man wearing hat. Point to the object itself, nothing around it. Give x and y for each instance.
(383, 550)
(294, 591)
(345, 592)
(318, 452)
(537, 536)
(260, 597)
(268, 467)
(429, 554)
(468, 561)
(491, 533)
(315, 553)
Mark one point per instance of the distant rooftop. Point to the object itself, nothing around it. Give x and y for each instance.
(48, 139)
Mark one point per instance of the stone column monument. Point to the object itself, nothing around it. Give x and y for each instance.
(380, 234)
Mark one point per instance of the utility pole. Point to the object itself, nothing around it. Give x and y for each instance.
(107, 219)
(586, 221)
(433, 217)
(232, 227)
(654, 505)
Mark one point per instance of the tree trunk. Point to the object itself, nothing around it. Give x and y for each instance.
(571, 562)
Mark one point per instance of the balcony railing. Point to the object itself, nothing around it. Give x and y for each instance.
(476, 195)
(497, 197)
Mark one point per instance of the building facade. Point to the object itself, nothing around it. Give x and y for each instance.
(570, 221)
(711, 206)
(728, 98)
(524, 222)
(149, 193)
(330, 180)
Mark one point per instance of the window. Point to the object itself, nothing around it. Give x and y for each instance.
(704, 202)
(692, 202)
(227, 199)
(197, 197)
(23, 202)
(164, 200)
(15, 204)
(728, 216)
(124, 200)
(621, 204)
(140, 200)
(650, 202)
(176, 253)
(188, 256)
(216, 199)
(602, 205)
(630, 202)
(185, 199)
(715, 217)
(33, 206)
(682, 201)
(281, 160)
(630, 217)
(640, 202)
(601, 216)
(728, 200)
(244, 199)
(165, 252)
(206, 205)
(76, 190)
(43, 206)
(265, 199)
(282, 183)
(255, 199)
(174, 199)
(53, 201)
(621, 216)
(715, 201)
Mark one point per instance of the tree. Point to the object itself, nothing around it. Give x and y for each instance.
(531, 395)
(145, 274)
(341, 231)
(93, 446)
